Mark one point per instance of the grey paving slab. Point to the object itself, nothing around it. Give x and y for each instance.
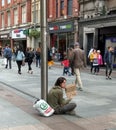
(11, 115)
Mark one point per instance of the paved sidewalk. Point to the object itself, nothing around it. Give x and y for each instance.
(96, 107)
(18, 114)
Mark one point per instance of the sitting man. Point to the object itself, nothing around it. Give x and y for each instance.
(56, 100)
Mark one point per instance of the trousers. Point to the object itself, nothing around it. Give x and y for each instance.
(66, 108)
(78, 81)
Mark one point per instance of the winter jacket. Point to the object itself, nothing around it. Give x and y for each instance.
(78, 58)
(55, 98)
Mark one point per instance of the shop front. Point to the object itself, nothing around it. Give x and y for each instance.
(4, 39)
(61, 37)
(98, 32)
(18, 38)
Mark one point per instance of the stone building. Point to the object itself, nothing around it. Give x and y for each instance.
(97, 24)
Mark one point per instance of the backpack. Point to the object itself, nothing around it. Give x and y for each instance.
(31, 55)
(7, 53)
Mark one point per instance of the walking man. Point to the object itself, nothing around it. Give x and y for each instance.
(78, 62)
(108, 62)
(8, 55)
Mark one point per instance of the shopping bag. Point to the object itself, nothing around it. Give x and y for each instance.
(71, 90)
(43, 107)
(23, 63)
(4, 61)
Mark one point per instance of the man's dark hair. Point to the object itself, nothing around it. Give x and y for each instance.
(59, 81)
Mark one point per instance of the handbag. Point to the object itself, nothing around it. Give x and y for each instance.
(71, 90)
(23, 63)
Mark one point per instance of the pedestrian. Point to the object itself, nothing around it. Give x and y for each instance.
(65, 63)
(56, 100)
(100, 61)
(29, 56)
(79, 61)
(70, 50)
(8, 55)
(50, 60)
(91, 57)
(108, 62)
(38, 57)
(19, 54)
(95, 61)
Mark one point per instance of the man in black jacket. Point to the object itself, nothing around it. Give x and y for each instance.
(108, 62)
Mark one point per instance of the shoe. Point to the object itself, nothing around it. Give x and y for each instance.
(109, 77)
(71, 113)
(19, 72)
(31, 72)
(80, 89)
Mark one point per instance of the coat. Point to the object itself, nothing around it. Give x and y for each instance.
(78, 58)
(55, 98)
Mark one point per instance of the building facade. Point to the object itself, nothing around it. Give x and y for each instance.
(15, 18)
(97, 24)
(62, 24)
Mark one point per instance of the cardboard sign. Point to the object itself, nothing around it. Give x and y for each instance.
(71, 90)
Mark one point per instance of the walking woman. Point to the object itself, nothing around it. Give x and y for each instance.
(29, 59)
(37, 56)
(19, 58)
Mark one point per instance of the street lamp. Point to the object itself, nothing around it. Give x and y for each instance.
(44, 67)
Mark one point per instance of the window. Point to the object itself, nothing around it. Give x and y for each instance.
(56, 8)
(35, 12)
(23, 14)
(3, 1)
(2, 16)
(15, 16)
(69, 7)
(9, 18)
(8, 1)
(62, 7)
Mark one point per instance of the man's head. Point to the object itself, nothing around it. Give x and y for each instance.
(61, 81)
(76, 44)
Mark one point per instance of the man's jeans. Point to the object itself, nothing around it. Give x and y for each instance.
(109, 68)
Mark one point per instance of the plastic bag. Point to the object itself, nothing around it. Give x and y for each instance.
(43, 107)
(4, 61)
(23, 63)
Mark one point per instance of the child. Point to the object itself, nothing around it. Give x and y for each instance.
(65, 63)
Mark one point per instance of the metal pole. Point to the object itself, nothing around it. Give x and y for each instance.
(44, 67)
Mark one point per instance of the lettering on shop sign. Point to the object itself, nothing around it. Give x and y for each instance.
(68, 26)
(18, 30)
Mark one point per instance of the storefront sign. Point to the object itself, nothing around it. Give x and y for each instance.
(4, 36)
(61, 27)
(18, 33)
